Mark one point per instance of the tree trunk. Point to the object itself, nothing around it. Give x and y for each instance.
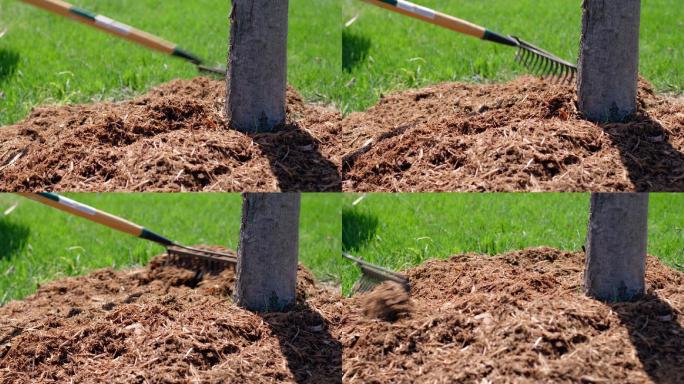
(609, 59)
(257, 65)
(616, 246)
(268, 251)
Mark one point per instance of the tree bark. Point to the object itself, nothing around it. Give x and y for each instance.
(616, 246)
(609, 59)
(268, 251)
(257, 65)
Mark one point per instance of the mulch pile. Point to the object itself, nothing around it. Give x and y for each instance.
(171, 139)
(161, 324)
(521, 317)
(526, 135)
(517, 317)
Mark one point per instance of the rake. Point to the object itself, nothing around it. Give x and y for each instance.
(535, 59)
(373, 275)
(200, 260)
(122, 30)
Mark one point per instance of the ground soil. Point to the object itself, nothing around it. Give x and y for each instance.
(518, 317)
(171, 139)
(526, 135)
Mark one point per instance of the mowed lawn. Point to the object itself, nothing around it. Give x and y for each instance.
(39, 243)
(47, 59)
(384, 51)
(399, 231)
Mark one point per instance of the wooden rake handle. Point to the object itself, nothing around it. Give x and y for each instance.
(443, 20)
(114, 27)
(79, 209)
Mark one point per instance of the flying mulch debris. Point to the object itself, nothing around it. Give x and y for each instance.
(388, 301)
(172, 139)
(509, 318)
(525, 135)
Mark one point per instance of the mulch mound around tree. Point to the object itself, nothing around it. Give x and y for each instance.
(517, 317)
(526, 135)
(521, 317)
(163, 324)
(171, 139)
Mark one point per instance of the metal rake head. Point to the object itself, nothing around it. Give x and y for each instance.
(543, 63)
(200, 260)
(212, 70)
(373, 275)
(364, 284)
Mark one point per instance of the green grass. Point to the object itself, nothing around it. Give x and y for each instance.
(403, 230)
(45, 58)
(384, 51)
(39, 243)
(48, 59)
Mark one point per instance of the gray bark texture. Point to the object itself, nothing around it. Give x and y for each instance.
(609, 59)
(617, 236)
(257, 65)
(268, 251)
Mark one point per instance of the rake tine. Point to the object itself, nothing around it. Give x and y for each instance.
(522, 57)
(529, 63)
(538, 64)
(553, 68)
(528, 58)
(546, 68)
(562, 75)
(370, 283)
(535, 63)
(552, 72)
(364, 285)
(356, 287)
(558, 73)
(567, 75)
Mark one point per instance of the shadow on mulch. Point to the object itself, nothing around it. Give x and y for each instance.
(299, 165)
(358, 228)
(13, 237)
(656, 336)
(647, 154)
(313, 354)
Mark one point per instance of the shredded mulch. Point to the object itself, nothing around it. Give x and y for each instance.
(171, 139)
(517, 317)
(162, 324)
(526, 135)
(521, 317)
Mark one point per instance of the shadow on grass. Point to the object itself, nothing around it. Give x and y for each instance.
(354, 50)
(13, 237)
(8, 63)
(313, 354)
(297, 162)
(652, 163)
(656, 335)
(358, 228)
